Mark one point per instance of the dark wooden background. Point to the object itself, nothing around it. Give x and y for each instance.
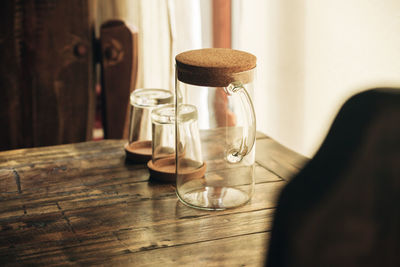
(46, 72)
(48, 57)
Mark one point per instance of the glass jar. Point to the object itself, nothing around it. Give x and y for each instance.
(217, 84)
(162, 165)
(143, 101)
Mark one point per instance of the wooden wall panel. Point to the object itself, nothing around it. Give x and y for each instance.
(46, 72)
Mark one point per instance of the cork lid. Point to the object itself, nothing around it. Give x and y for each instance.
(215, 66)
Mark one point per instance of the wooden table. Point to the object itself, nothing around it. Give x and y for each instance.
(81, 204)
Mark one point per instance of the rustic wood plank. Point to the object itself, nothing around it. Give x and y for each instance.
(279, 159)
(88, 191)
(86, 225)
(83, 204)
(83, 239)
(247, 250)
(9, 181)
(243, 250)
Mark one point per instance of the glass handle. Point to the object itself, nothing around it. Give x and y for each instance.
(235, 155)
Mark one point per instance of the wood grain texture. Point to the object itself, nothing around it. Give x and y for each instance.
(46, 72)
(282, 162)
(83, 204)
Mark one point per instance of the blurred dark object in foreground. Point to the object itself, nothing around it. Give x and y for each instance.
(343, 208)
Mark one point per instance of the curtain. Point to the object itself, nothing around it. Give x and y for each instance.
(166, 27)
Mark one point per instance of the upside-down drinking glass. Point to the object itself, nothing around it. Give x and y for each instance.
(143, 101)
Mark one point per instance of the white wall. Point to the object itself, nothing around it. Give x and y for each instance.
(350, 45)
(206, 23)
(312, 55)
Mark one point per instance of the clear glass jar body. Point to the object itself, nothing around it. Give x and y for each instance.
(225, 124)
